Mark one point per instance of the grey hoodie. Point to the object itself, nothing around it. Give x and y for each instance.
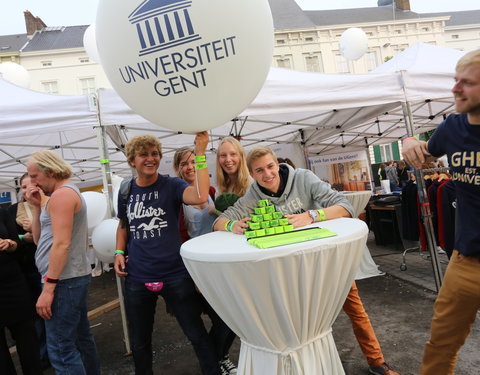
(303, 191)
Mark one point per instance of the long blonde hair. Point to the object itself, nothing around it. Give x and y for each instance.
(223, 181)
(48, 161)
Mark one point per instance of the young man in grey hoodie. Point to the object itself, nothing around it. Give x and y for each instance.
(304, 199)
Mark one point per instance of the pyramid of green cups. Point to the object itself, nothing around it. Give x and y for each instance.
(266, 220)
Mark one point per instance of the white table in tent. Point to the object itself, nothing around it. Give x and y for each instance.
(359, 200)
(281, 301)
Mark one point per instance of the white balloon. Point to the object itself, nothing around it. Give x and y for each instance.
(187, 66)
(97, 208)
(90, 44)
(353, 43)
(15, 74)
(104, 240)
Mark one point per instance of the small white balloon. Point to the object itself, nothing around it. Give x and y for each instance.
(104, 240)
(15, 73)
(97, 208)
(186, 65)
(353, 43)
(90, 44)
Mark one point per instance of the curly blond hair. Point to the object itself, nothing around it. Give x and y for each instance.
(141, 143)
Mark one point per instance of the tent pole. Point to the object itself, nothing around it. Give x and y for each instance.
(424, 206)
(305, 150)
(107, 185)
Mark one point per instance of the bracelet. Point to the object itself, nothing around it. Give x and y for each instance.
(217, 212)
(50, 280)
(406, 139)
(119, 252)
(199, 166)
(230, 226)
(321, 215)
(200, 158)
(21, 236)
(227, 223)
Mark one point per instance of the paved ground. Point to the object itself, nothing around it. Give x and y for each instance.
(399, 304)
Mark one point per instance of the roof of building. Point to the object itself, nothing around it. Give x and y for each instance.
(288, 15)
(12, 43)
(465, 17)
(359, 15)
(56, 38)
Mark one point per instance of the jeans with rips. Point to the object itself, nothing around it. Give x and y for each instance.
(71, 348)
(184, 301)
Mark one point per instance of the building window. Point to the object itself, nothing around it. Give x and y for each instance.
(314, 63)
(280, 41)
(309, 39)
(398, 31)
(87, 85)
(46, 63)
(425, 29)
(84, 60)
(372, 60)
(342, 64)
(386, 152)
(284, 62)
(50, 87)
(455, 36)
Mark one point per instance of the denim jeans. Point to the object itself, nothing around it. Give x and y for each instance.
(184, 301)
(71, 348)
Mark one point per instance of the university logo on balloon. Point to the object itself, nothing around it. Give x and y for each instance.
(163, 24)
(188, 65)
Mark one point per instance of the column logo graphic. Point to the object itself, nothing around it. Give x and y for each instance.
(162, 24)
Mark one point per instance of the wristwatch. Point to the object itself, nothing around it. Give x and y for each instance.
(313, 215)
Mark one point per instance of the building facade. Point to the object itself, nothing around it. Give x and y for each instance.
(304, 41)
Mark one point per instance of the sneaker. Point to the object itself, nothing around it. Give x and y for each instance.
(383, 369)
(227, 366)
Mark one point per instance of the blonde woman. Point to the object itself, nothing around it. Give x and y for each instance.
(232, 171)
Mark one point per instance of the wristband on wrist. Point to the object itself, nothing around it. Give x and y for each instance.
(50, 280)
(119, 252)
(406, 139)
(230, 226)
(321, 215)
(227, 223)
(199, 166)
(21, 236)
(200, 158)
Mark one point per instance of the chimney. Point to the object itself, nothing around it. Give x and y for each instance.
(399, 4)
(33, 23)
(402, 4)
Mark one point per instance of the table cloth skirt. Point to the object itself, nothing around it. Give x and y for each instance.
(283, 308)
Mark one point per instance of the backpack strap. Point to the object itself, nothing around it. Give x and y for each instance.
(124, 193)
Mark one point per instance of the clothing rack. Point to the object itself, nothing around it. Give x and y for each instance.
(439, 169)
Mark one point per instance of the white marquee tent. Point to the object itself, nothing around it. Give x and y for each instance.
(325, 113)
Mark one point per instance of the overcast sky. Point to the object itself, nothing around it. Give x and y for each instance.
(82, 12)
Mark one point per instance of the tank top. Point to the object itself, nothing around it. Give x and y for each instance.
(77, 264)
